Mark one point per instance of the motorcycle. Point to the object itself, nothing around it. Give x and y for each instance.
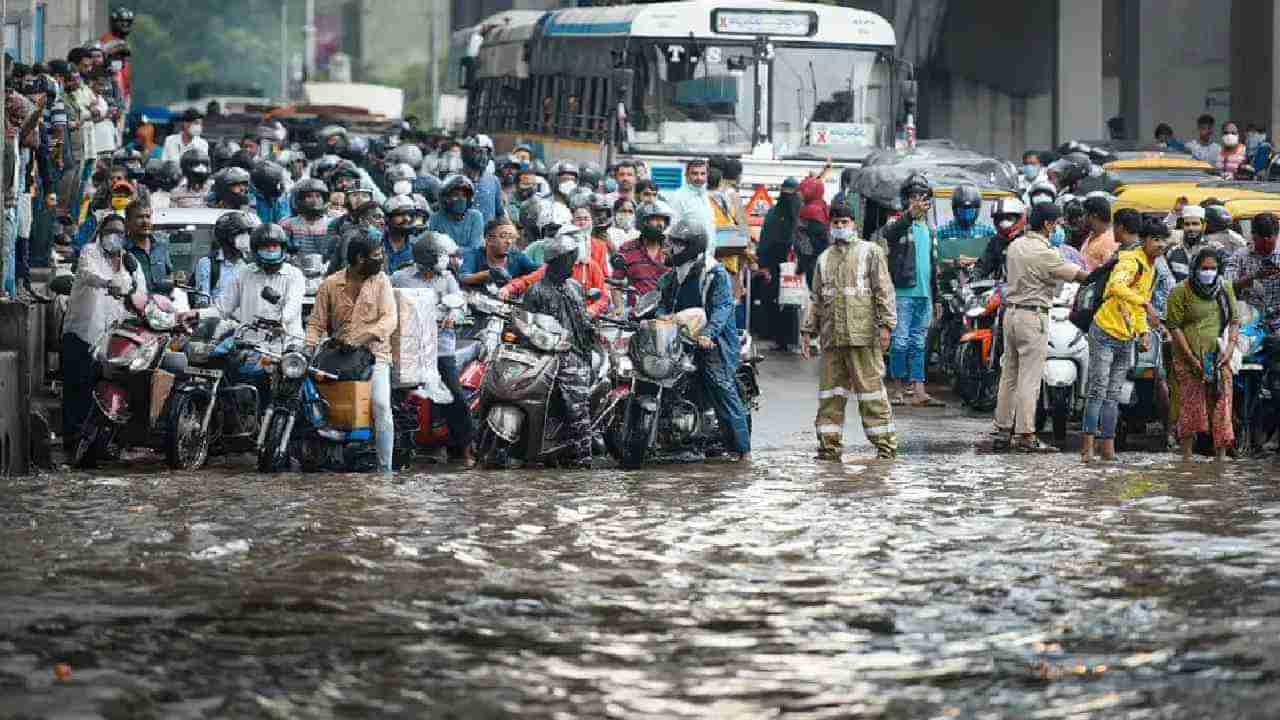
(1066, 369)
(312, 266)
(1139, 405)
(1257, 384)
(432, 430)
(977, 377)
(138, 369)
(949, 326)
(663, 407)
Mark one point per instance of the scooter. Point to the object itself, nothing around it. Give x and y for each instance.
(977, 378)
(432, 430)
(1066, 369)
(1255, 385)
(138, 369)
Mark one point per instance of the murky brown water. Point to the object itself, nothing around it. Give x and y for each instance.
(947, 584)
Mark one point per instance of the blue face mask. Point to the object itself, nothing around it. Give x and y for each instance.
(375, 233)
(1059, 236)
(271, 257)
(456, 206)
(1031, 172)
(967, 216)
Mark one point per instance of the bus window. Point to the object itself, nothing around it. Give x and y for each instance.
(830, 101)
(693, 98)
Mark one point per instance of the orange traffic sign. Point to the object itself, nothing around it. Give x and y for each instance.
(758, 206)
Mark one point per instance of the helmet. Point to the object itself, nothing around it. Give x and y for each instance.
(429, 248)
(233, 224)
(301, 188)
(346, 176)
(357, 149)
(124, 157)
(268, 179)
(421, 210)
(915, 183)
(966, 201)
(539, 168)
(458, 182)
(398, 204)
(566, 240)
(1217, 219)
(658, 208)
(475, 155)
(324, 167)
(510, 161)
(551, 217)
(1041, 188)
(565, 167)
(153, 175)
(401, 172)
(1070, 169)
(409, 154)
(1010, 217)
(242, 159)
(264, 234)
(333, 138)
(590, 176)
(195, 162)
(691, 237)
(525, 147)
(227, 177)
(601, 209)
(122, 21)
(221, 153)
(429, 187)
(121, 13)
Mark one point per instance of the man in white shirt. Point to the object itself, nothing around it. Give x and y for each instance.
(1202, 147)
(104, 275)
(178, 143)
(241, 298)
(693, 201)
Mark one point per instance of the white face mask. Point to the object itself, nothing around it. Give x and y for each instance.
(196, 130)
(841, 234)
(584, 251)
(242, 243)
(401, 187)
(117, 65)
(567, 187)
(1230, 140)
(1004, 224)
(280, 134)
(442, 263)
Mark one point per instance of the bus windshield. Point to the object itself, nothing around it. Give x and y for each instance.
(830, 102)
(693, 98)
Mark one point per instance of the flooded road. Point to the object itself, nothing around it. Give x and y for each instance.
(946, 584)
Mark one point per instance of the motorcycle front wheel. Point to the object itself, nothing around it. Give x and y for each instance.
(92, 443)
(636, 433)
(188, 446)
(273, 456)
(492, 451)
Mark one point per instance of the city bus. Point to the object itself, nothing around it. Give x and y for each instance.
(783, 86)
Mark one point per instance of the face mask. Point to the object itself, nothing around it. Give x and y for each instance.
(841, 235)
(398, 230)
(584, 251)
(1058, 237)
(280, 134)
(242, 243)
(1192, 237)
(1230, 140)
(401, 187)
(197, 130)
(442, 263)
(117, 65)
(271, 257)
(371, 266)
(652, 234)
(1030, 172)
(967, 216)
(567, 187)
(112, 244)
(119, 203)
(456, 206)
(1207, 276)
(524, 193)
(625, 221)
(1004, 224)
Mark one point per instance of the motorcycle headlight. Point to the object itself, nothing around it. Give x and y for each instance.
(293, 365)
(656, 367)
(623, 367)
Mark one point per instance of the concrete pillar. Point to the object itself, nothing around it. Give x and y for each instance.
(1078, 106)
(21, 339)
(1255, 65)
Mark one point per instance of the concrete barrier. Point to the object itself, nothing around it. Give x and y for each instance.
(14, 416)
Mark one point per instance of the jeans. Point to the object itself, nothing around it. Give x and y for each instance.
(8, 256)
(1109, 362)
(456, 414)
(384, 428)
(910, 337)
(721, 385)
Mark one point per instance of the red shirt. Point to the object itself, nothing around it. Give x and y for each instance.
(643, 270)
(588, 274)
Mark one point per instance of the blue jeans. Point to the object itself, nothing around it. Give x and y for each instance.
(1109, 362)
(8, 245)
(907, 353)
(721, 385)
(384, 427)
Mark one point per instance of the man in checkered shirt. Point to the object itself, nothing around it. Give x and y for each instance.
(1259, 268)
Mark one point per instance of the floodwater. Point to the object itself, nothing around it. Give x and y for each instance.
(946, 584)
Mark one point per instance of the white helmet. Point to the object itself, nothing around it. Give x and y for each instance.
(553, 213)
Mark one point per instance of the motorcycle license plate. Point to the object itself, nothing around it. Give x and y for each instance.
(519, 356)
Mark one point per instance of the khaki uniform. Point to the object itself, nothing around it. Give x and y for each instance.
(853, 298)
(1033, 269)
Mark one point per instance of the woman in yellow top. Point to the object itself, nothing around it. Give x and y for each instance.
(1125, 318)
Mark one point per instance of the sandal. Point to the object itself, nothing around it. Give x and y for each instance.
(1033, 446)
(928, 402)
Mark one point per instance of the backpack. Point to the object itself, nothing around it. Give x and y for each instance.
(1091, 295)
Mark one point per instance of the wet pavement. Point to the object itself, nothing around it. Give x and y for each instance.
(949, 583)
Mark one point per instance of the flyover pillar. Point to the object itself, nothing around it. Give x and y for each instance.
(1078, 95)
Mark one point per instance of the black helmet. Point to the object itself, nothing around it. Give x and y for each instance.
(233, 224)
(475, 155)
(965, 196)
(1069, 169)
(304, 186)
(222, 152)
(915, 183)
(268, 178)
(689, 241)
(333, 139)
(601, 209)
(429, 187)
(195, 164)
(122, 21)
(223, 182)
(459, 182)
(269, 233)
(357, 149)
(430, 247)
(566, 167)
(590, 176)
(324, 167)
(345, 177)
(151, 172)
(1217, 219)
(242, 159)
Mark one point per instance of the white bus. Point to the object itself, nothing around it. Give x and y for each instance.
(780, 85)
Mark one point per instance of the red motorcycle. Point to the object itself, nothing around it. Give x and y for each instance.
(138, 369)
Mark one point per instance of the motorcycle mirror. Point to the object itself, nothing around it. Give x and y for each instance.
(271, 295)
